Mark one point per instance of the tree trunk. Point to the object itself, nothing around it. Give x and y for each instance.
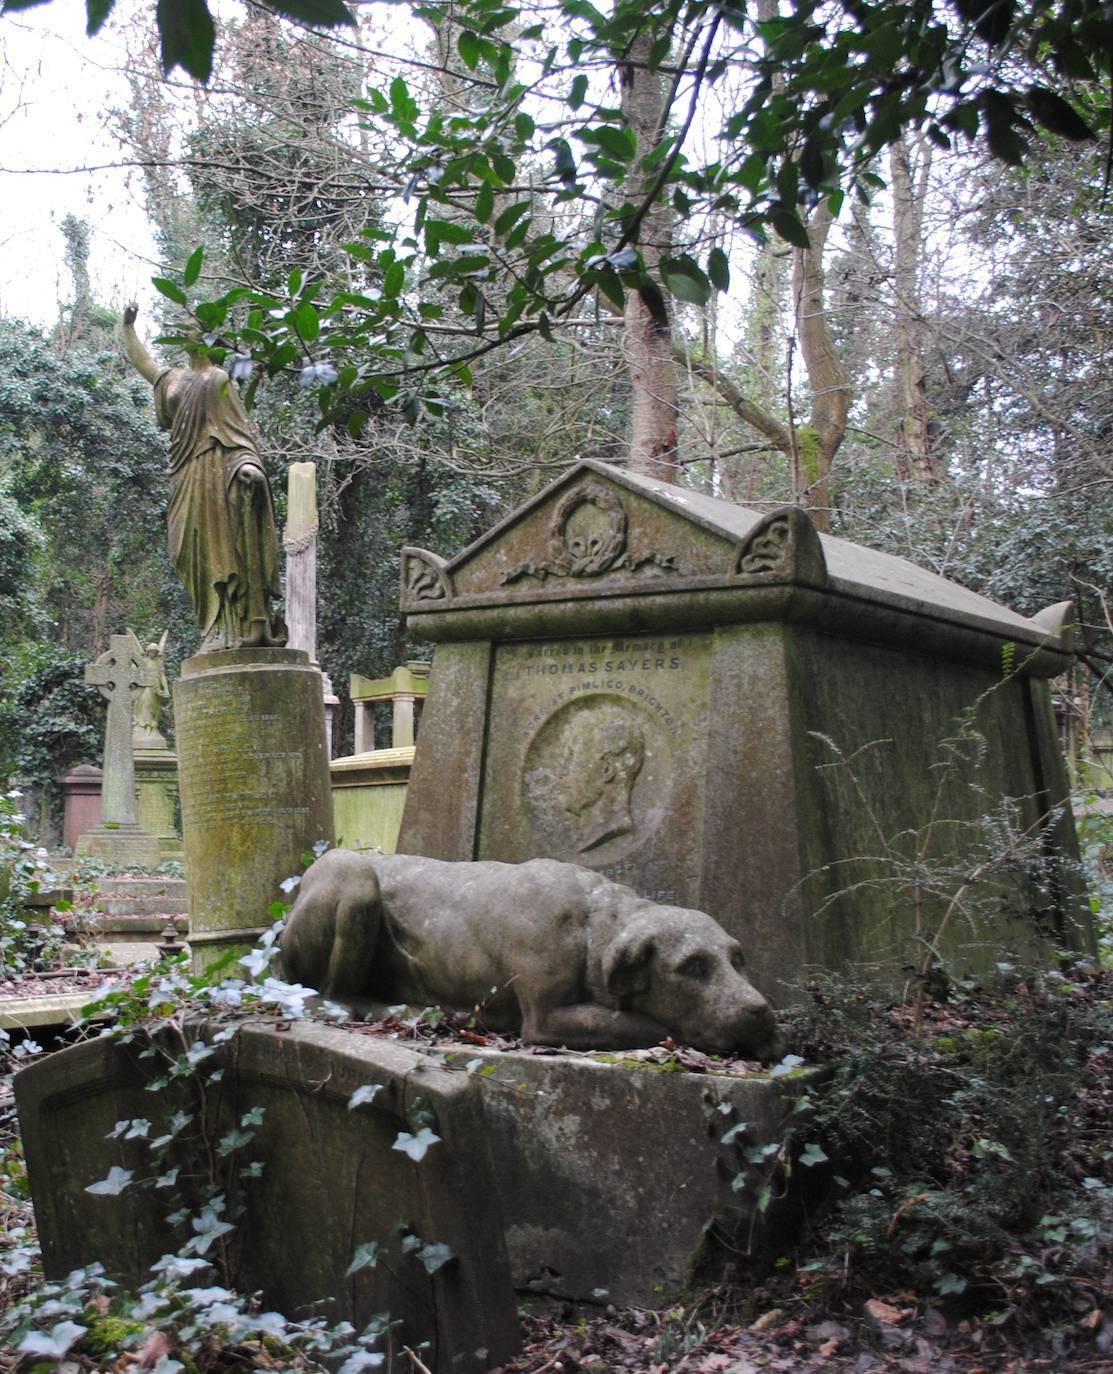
(916, 460)
(815, 444)
(647, 342)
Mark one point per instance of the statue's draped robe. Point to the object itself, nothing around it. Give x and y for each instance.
(222, 538)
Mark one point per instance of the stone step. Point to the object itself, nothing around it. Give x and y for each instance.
(140, 927)
(155, 905)
(140, 887)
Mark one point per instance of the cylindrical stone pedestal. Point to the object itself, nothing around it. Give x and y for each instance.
(254, 781)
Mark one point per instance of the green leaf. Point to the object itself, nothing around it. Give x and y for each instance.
(504, 168)
(193, 266)
(468, 46)
(170, 289)
(790, 228)
(187, 35)
(812, 1155)
(718, 269)
(326, 13)
(654, 301)
(686, 280)
(484, 203)
(1055, 114)
(510, 216)
(577, 92)
(96, 12)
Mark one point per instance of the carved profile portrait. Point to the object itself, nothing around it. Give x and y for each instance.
(604, 760)
(593, 779)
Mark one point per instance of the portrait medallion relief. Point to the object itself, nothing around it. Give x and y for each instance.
(596, 779)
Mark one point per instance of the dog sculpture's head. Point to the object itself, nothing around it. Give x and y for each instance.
(681, 968)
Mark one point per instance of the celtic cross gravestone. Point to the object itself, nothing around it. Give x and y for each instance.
(119, 675)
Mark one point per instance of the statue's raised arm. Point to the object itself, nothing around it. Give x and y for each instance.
(138, 356)
(220, 522)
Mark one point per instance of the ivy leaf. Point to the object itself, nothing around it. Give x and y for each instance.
(364, 1095)
(812, 1155)
(416, 1146)
(117, 1180)
(186, 31)
(54, 1347)
(435, 1256)
(730, 1136)
(361, 1360)
(365, 1257)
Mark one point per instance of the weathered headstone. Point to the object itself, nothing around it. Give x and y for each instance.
(119, 674)
(730, 712)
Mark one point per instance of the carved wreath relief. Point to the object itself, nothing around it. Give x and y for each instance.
(588, 537)
(595, 780)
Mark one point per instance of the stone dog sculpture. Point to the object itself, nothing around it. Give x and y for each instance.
(552, 950)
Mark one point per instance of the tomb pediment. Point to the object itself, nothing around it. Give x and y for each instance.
(636, 550)
(599, 531)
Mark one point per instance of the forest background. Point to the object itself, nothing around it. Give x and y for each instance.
(855, 257)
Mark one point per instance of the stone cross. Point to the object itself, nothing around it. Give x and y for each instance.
(118, 675)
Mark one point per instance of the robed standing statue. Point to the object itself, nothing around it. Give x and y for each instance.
(220, 520)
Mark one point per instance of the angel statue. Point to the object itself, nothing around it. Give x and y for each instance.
(220, 520)
(147, 706)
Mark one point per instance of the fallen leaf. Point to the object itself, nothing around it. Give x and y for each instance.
(767, 1319)
(828, 1348)
(884, 1315)
(1092, 1320)
(157, 1346)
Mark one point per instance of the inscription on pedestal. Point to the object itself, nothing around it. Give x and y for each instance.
(595, 751)
(233, 781)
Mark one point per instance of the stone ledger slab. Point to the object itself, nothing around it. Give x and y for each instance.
(254, 780)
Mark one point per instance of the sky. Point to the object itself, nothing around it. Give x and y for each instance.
(55, 85)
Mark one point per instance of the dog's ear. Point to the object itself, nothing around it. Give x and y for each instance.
(627, 964)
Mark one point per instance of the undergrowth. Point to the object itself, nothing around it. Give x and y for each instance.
(970, 1147)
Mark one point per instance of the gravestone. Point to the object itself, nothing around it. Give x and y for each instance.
(119, 675)
(728, 711)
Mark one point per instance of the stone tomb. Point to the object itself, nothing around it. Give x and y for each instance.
(556, 1175)
(729, 711)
